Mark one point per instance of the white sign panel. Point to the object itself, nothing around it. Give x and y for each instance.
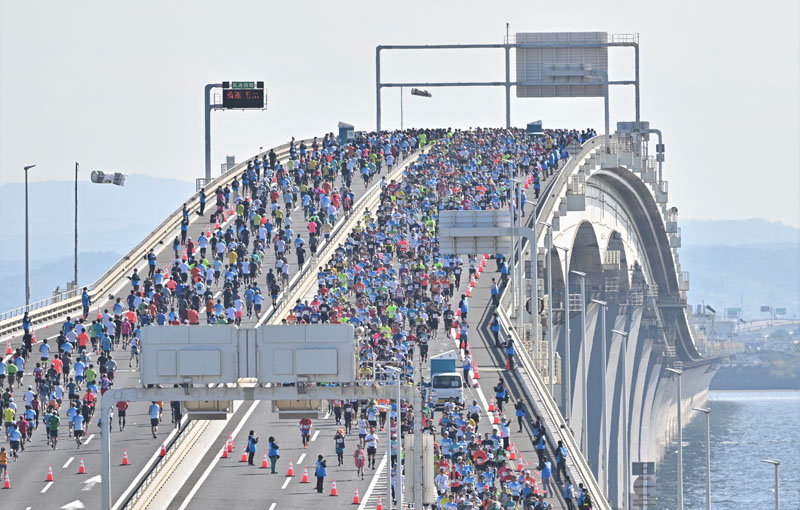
(561, 71)
(466, 232)
(317, 352)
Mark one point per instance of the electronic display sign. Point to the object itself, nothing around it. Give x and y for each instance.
(243, 98)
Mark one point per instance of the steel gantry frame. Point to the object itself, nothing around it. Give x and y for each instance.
(507, 83)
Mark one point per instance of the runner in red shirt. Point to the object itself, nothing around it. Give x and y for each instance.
(305, 430)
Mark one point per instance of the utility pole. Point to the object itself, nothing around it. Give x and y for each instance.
(75, 276)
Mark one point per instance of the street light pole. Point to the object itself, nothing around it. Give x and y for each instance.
(27, 248)
(775, 463)
(604, 417)
(625, 446)
(550, 362)
(584, 367)
(708, 453)
(567, 378)
(75, 276)
(401, 108)
(679, 373)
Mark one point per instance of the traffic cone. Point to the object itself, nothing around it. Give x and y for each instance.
(225, 451)
(476, 374)
(520, 467)
(334, 492)
(356, 499)
(81, 468)
(7, 482)
(472, 283)
(265, 461)
(230, 444)
(491, 405)
(163, 452)
(9, 352)
(305, 476)
(496, 419)
(244, 454)
(458, 312)
(125, 461)
(49, 473)
(512, 452)
(468, 293)
(290, 471)
(380, 504)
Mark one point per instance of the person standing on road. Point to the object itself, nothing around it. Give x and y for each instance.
(338, 440)
(155, 410)
(320, 472)
(547, 482)
(561, 460)
(360, 459)
(252, 441)
(519, 408)
(274, 454)
(86, 302)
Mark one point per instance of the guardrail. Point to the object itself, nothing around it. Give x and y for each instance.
(70, 302)
(533, 386)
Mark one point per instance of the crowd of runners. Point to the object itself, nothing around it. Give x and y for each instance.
(387, 278)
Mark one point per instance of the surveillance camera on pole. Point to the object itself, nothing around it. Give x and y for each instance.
(420, 92)
(116, 178)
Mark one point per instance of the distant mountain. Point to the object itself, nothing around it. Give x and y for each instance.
(752, 231)
(111, 221)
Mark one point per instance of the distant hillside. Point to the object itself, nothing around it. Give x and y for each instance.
(756, 230)
(111, 220)
(753, 262)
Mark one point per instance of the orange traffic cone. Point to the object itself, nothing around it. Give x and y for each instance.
(125, 461)
(468, 293)
(290, 471)
(9, 352)
(491, 405)
(512, 452)
(496, 419)
(356, 499)
(334, 492)
(380, 504)
(244, 454)
(230, 444)
(305, 476)
(458, 312)
(49, 473)
(265, 461)
(476, 374)
(520, 467)
(472, 282)
(81, 468)
(7, 482)
(225, 451)
(163, 451)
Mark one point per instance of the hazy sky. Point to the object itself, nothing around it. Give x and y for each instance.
(120, 86)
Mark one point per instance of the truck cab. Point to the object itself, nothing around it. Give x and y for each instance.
(446, 382)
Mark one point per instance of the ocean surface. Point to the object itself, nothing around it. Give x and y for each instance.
(746, 426)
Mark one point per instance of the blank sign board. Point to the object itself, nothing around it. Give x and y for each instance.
(561, 70)
(464, 232)
(196, 354)
(312, 352)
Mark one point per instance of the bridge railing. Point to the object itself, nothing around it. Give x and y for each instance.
(69, 302)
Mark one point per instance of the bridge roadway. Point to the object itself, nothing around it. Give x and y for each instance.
(28, 474)
(213, 481)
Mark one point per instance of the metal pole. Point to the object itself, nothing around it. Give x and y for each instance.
(418, 495)
(636, 58)
(604, 413)
(521, 272)
(208, 108)
(400, 485)
(401, 108)
(27, 248)
(550, 344)
(511, 274)
(626, 468)
(508, 85)
(679, 373)
(378, 89)
(584, 386)
(567, 384)
(775, 463)
(105, 452)
(708, 453)
(75, 277)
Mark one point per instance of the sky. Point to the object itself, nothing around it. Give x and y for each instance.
(119, 86)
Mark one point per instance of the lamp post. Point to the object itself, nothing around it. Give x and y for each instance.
(603, 419)
(567, 384)
(775, 463)
(75, 275)
(625, 446)
(27, 249)
(550, 364)
(584, 367)
(679, 373)
(708, 453)
(399, 489)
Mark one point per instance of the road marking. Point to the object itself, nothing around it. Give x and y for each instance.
(272, 506)
(300, 460)
(478, 390)
(91, 482)
(286, 483)
(373, 482)
(314, 437)
(216, 459)
(327, 415)
(49, 484)
(68, 463)
(88, 439)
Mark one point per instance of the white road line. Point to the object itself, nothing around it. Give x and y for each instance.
(327, 415)
(372, 483)
(216, 459)
(478, 390)
(285, 484)
(68, 463)
(272, 506)
(300, 460)
(314, 437)
(88, 439)
(49, 484)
